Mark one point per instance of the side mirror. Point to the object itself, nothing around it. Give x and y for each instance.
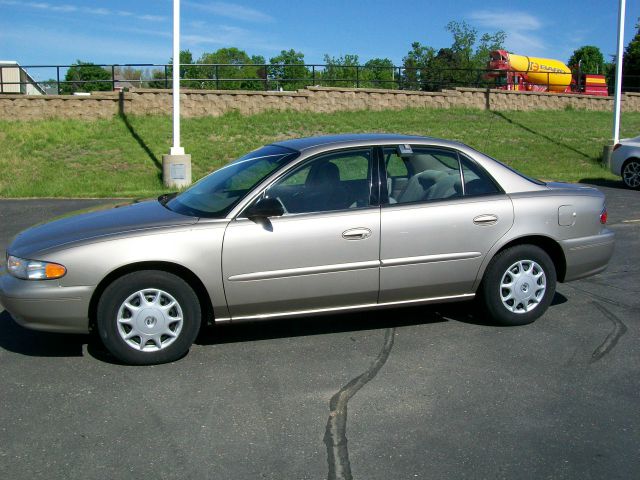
(265, 207)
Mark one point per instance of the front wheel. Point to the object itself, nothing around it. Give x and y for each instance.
(148, 317)
(519, 284)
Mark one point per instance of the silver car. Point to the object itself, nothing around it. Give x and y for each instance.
(303, 227)
(625, 161)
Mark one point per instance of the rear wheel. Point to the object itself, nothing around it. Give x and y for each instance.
(519, 284)
(631, 173)
(148, 317)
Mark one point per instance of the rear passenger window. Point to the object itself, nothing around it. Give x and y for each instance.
(476, 180)
(432, 174)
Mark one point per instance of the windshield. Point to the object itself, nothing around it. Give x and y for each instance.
(217, 193)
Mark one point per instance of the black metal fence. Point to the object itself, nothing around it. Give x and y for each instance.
(67, 79)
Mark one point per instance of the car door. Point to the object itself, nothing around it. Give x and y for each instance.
(438, 226)
(322, 254)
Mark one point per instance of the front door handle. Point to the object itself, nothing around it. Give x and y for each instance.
(356, 234)
(485, 220)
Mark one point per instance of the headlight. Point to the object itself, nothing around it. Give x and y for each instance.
(34, 269)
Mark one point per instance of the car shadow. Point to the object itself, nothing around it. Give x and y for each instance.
(341, 323)
(603, 182)
(17, 339)
(558, 299)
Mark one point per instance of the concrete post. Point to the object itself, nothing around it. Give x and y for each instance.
(176, 170)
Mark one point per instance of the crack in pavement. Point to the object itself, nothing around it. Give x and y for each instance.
(335, 436)
(601, 298)
(619, 329)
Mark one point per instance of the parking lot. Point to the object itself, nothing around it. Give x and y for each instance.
(429, 392)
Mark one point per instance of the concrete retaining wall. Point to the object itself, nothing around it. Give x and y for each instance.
(200, 103)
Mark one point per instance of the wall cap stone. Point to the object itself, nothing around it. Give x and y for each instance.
(93, 96)
(378, 90)
(524, 92)
(298, 93)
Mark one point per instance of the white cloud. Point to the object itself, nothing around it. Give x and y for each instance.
(232, 10)
(68, 8)
(217, 36)
(64, 8)
(97, 11)
(523, 29)
(90, 47)
(506, 20)
(152, 18)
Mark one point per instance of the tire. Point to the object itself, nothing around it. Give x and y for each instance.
(518, 285)
(631, 173)
(160, 331)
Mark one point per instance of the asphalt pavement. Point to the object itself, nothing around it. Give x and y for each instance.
(428, 393)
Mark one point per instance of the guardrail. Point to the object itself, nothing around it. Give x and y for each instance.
(259, 77)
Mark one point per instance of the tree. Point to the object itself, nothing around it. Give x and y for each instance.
(232, 69)
(129, 75)
(288, 70)
(378, 73)
(464, 38)
(631, 64)
(341, 71)
(589, 59)
(159, 78)
(470, 60)
(488, 43)
(86, 77)
(461, 64)
(443, 71)
(416, 65)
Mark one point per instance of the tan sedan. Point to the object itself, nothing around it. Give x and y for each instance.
(304, 227)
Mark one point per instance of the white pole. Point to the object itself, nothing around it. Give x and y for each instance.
(619, 57)
(176, 149)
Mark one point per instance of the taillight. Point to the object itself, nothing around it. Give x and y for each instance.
(603, 216)
(616, 146)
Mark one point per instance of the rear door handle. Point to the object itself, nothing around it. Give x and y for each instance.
(356, 234)
(487, 219)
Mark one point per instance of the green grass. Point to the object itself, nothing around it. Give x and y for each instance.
(122, 157)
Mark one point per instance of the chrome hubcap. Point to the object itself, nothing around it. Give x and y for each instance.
(631, 174)
(149, 320)
(522, 286)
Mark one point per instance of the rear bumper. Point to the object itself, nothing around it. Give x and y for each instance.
(587, 256)
(45, 305)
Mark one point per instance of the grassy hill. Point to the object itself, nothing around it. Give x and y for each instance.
(121, 157)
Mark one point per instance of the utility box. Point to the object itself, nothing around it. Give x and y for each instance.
(176, 170)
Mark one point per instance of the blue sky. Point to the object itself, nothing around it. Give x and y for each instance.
(118, 31)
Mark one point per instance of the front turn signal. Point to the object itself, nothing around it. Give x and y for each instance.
(34, 269)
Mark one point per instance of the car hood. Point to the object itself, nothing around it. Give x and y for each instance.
(95, 225)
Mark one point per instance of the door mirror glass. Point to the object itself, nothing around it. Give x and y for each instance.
(265, 207)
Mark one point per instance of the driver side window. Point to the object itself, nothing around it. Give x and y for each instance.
(336, 181)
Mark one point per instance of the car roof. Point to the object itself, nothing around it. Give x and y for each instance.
(353, 139)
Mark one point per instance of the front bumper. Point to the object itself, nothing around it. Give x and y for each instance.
(587, 256)
(46, 305)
